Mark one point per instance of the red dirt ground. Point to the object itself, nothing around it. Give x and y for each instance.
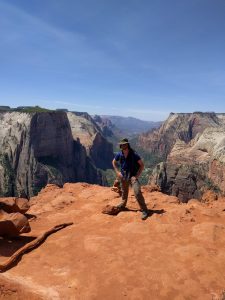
(177, 253)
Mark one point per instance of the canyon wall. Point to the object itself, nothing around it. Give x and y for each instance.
(41, 148)
(192, 147)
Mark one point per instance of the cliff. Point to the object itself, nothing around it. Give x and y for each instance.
(89, 134)
(193, 149)
(177, 253)
(41, 148)
(182, 126)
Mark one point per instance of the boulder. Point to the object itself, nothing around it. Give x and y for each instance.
(13, 224)
(111, 210)
(13, 204)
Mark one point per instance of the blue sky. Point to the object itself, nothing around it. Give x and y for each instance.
(140, 58)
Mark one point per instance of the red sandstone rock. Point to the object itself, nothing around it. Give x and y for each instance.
(177, 253)
(111, 210)
(14, 204)
(13, 224)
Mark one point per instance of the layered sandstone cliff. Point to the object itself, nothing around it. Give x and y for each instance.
(41, 148)
(182, 126)
(92, 138)
(193, 149)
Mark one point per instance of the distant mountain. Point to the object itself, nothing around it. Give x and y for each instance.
(130, 126)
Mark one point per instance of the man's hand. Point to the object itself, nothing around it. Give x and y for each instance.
(141, 168)
(133, 179)
(119, 175)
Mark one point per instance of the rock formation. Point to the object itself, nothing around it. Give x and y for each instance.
(41, 148)
(182, 126)
(13, 222)
(177, 253)
(109, 130)
(193, 149)
(91, 137)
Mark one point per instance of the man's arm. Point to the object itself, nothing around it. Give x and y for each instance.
(118, 173)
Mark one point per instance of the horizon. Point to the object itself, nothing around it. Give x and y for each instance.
(122, 116)
(142, 58)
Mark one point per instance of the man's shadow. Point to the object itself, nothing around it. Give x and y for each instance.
(8, 246)
(150, 211)
(156, 211)
(30, 217)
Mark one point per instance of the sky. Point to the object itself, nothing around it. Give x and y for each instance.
(139, 58)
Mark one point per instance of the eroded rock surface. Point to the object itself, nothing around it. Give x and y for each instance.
(177, 253)
(193, 146)
(179, 126)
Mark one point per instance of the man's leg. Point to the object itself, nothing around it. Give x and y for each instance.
(141, 201)
(125, 190)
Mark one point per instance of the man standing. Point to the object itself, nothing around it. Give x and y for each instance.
(131, 167)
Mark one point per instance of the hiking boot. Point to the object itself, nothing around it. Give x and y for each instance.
(144, 215)
(115, 189)
(121, 205)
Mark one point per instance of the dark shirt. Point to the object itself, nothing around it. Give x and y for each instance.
(129, 166)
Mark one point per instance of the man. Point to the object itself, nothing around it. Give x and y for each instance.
(131, 167)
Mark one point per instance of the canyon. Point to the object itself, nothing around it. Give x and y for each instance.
(185, 156)
(56, 160)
